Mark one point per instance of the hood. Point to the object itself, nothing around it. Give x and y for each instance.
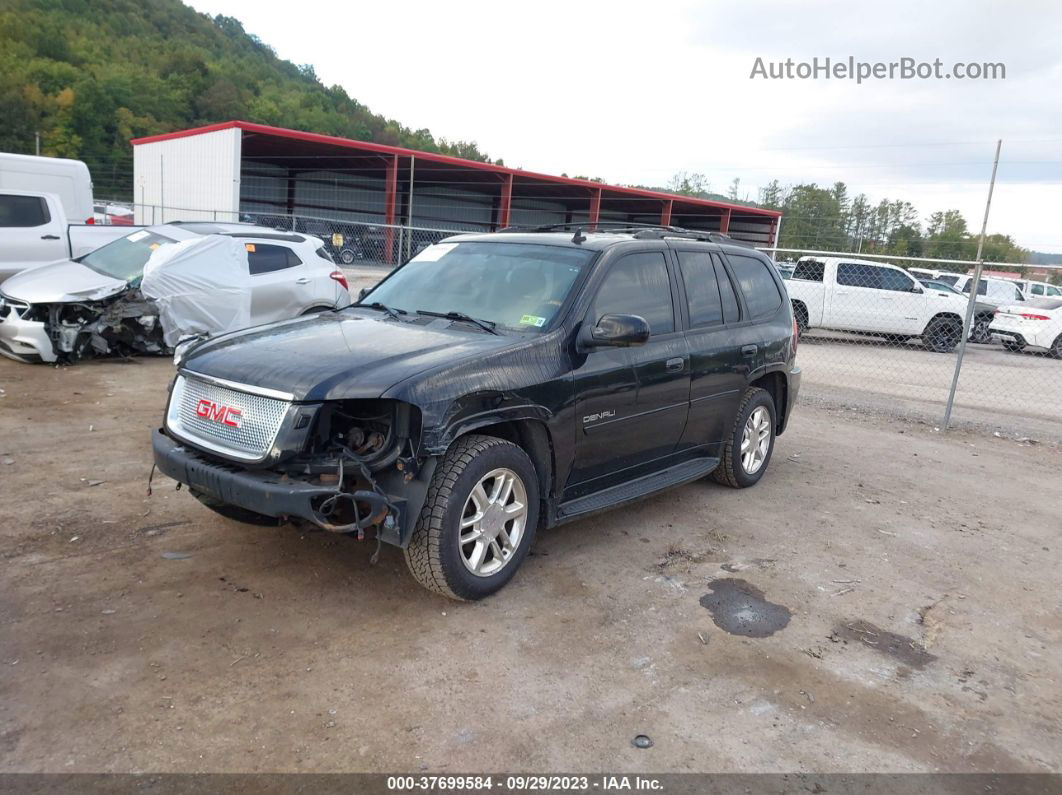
(64, 281)
(336, 355)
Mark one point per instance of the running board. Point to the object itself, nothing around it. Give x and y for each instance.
(638, 488)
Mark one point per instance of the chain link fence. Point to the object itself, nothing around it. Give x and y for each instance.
(879, 335)
(884, 338)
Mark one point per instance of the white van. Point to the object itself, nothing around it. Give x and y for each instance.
(1034, 289)
(67, 179)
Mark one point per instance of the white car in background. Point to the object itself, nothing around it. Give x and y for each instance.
(1036, 324)
(73, 308)
(1034, 289)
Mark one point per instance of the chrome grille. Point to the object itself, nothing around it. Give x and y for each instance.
(230, 421)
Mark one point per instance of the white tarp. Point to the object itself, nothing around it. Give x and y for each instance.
(201, 286)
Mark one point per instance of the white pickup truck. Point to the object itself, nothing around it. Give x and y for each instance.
(34, 230)
(875, 298)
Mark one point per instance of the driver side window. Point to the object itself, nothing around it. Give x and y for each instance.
(638, 284)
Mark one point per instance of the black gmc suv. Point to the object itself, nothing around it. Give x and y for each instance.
(494, 384)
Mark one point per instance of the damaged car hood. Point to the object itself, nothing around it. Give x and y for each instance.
(346, 354)
(64, 281)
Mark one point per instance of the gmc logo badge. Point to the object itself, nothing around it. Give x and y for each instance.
(215, 412)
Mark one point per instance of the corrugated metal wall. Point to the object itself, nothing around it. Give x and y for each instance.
(170, 184)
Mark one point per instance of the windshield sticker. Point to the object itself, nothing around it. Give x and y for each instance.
(533, 320)
(137, 236)
(435, 253)
(249, 247)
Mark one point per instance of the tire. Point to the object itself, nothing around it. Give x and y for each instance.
(1056, 347)
(346, 256)
(435, 555)
(1016, 347)
(235, 513)
(942, 334)
(733, 470)
(980, 333)
(800, 312)
(313, 310)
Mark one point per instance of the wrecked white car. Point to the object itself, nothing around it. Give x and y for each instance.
(145, 292)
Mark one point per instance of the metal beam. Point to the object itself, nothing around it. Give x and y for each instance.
(506, 202)
(390, 195)
(595, 208)
(665, 212)
(724, 223)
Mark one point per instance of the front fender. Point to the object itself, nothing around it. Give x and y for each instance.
(478, 411)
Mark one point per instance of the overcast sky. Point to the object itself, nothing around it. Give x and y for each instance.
(634, 92)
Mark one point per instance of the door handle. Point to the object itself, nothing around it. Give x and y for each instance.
(676, 365)
(49, 237)
(748, 350)
(303, 280)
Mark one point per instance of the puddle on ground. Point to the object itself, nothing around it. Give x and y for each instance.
(740, 608)
(908, 651)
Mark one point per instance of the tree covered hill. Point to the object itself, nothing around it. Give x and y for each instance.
(88, 75)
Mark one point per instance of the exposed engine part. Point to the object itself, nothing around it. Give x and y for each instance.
(125, 324)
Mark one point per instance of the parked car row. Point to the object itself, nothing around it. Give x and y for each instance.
(884, 300)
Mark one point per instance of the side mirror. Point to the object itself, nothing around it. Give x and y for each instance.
(364, 291)
(615, 331)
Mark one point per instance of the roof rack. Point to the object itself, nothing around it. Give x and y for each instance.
(638, 230)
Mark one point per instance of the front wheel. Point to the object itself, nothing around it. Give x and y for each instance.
(747, 452)
(478, 520)
(1013, 346)
(980, 333)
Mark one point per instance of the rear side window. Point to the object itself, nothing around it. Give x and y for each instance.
(809, 271)
(731, 313)
(264, 258)
(757, 284)
(638, 284)
(23, 211)
(702, 288)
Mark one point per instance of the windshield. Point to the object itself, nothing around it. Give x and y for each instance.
(124, 258)
(515, 285)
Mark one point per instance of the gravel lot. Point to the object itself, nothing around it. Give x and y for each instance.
(909, 579)
(1016, 394)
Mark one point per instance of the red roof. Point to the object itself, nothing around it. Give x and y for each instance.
(281, 132)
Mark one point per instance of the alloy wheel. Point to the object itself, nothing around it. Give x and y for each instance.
(493, 522)
(755, 440)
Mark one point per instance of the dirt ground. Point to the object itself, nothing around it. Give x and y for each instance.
(898, 589)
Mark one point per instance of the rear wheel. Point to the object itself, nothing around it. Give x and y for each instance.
(747, 452)
(942, 334)
(800, 312)
(347, 256)
(1014, 346)
(478, 520)
(1056, 347)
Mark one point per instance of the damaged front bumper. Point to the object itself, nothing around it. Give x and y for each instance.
(285, 497)
(68, 331)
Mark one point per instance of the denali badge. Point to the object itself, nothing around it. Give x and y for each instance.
(601, 415)
(215, 412)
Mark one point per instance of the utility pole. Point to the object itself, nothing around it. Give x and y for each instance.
(37, 141)
(974, 284)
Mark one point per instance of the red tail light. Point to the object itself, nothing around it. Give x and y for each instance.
(90, 220)
(796, 334)
(339, 277)
(1029, 316)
